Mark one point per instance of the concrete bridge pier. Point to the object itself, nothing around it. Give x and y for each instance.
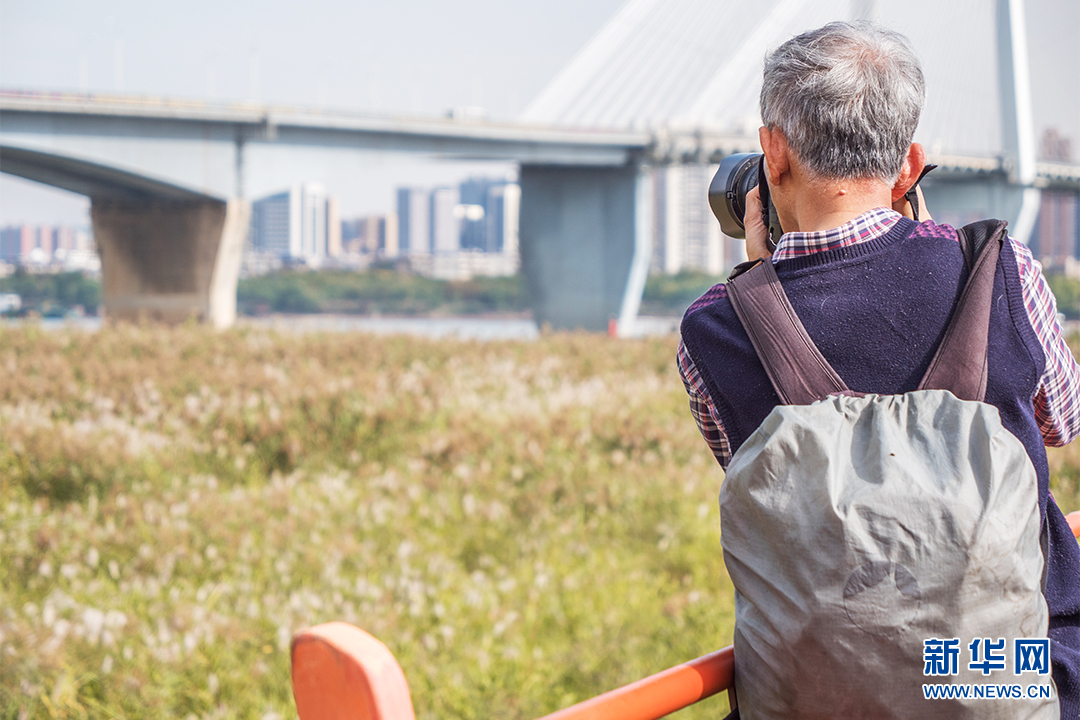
(585, 243)
(170, 260)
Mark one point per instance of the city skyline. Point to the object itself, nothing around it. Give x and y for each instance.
(448, 232)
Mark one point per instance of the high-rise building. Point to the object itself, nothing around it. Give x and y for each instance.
(686, 236)
(58, 247)
(1056, 236)
(300, 223)
(390, 236)
(64, 239)
(46, 242)
(503, 205)
(474, 213)
(28, 243)
(445, 220)
(333, 227)
(270, 227)
(471, 229)
(358, 236)
(371, 235)
(309, 224)
(414, 221)
(16, 242)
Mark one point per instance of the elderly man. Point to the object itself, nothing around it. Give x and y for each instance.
(874, 289)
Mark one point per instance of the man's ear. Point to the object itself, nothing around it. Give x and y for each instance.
(910, 172)
(775, 146)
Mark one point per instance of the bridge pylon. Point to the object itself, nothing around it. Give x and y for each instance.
(168, 253)
(170, 261)
(585, 244)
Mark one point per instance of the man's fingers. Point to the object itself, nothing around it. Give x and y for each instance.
(903, 207)
(924, 212)
(756, 231)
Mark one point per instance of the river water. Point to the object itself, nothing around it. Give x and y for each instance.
(463, 327)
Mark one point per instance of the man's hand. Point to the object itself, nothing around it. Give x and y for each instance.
(903, 207)
(756, 232)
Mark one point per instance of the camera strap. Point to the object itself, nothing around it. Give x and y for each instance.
(912, 196)
(769, 216)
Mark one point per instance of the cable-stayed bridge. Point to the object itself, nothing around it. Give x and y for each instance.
(664, 82)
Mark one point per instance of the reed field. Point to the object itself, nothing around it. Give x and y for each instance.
(524, 524)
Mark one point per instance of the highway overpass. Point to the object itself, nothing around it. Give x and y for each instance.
(167, 177)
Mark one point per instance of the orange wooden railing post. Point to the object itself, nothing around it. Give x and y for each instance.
(339, 672)
(1074, 522)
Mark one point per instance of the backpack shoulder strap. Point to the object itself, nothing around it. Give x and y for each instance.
(796, 368)
(801, 375)
(973, 238)
(960, 363)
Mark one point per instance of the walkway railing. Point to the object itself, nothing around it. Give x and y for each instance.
(339, 671)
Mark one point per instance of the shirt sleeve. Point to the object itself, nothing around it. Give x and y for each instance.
(1057, 399)
(702, 408)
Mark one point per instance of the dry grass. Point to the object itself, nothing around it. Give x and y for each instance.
(524, 524)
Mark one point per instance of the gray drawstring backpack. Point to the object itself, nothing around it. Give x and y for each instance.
(873, 539)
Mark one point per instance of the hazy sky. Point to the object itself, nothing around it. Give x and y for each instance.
(412, 56)
(420, 56)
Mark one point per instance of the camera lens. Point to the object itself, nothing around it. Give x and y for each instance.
(738, 175)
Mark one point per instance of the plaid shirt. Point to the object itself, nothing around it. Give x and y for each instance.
(1057, 400)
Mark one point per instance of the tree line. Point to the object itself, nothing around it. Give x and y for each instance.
(389, 291)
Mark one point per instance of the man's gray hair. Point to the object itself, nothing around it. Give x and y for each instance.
(847, 97)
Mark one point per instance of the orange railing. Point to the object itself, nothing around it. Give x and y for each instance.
(340, 672)
(659, 694)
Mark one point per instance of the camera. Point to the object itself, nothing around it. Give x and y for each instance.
(738, 175)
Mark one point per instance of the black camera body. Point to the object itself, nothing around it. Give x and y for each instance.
(738, 175)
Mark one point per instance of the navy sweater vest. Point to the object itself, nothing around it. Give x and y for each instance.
(877, 311)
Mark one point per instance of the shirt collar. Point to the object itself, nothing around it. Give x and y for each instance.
(871, 224)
